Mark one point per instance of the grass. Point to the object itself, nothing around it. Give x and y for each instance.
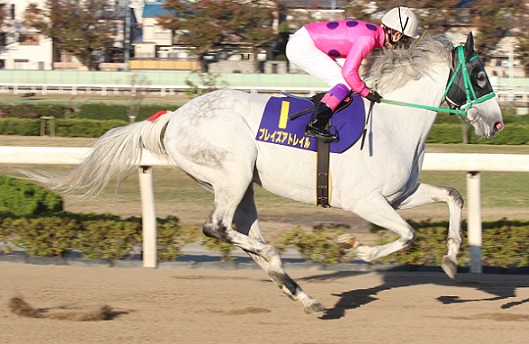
(484, 149)
(503, 194)
(499, 189)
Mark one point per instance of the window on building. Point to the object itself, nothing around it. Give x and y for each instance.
(29, 39)
(21, 63)
(161, 34)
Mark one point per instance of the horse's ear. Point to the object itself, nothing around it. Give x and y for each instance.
(469, 45)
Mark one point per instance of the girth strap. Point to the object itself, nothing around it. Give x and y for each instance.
(322, 177)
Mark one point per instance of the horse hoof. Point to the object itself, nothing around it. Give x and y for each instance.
(346, 241)
(366, 253)
(314, 308)
(449, 267)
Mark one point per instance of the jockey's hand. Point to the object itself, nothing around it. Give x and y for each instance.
(373, 96)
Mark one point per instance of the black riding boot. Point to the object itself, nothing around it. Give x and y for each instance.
(318, 125)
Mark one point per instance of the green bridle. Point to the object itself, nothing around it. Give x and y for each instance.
(473, 96)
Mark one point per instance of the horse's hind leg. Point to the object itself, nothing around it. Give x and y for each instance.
(233, 192)
(426, 194)
(247, 222)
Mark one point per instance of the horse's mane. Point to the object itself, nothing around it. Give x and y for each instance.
(392, 69)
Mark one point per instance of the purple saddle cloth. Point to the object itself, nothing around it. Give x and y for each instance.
(277, 128)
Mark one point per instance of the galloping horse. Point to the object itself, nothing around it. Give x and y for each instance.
(213, 138)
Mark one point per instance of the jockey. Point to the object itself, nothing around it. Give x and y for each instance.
(315, 48)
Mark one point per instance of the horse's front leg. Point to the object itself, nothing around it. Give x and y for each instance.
(376, 209)
(426, 194)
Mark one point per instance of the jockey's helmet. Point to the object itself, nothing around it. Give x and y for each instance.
(403, 20)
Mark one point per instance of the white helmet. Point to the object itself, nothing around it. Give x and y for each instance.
(403, 20)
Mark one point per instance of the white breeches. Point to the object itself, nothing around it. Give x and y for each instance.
(302, 52)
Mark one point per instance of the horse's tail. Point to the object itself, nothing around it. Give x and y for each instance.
(114, 155)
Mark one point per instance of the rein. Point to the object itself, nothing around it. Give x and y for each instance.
(469, 89)
(426, 107)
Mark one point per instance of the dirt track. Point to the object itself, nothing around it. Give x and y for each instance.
(170, 305)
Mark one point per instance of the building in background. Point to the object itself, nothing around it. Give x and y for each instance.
(140, 43)
(22, 47)
(26, 48)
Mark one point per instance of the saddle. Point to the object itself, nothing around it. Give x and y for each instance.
(316, 100)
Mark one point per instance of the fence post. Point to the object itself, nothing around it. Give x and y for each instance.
(474, 220)
(148, 217)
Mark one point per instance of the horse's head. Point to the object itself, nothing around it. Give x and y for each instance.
(469, 89)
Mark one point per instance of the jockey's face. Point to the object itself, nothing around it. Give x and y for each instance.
(393, 38)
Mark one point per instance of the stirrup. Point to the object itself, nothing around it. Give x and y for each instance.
(326, 137)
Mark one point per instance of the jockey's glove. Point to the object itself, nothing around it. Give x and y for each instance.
(373, 96)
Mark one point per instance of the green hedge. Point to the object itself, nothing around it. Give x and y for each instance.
(119, 112)
(103, 111)
(507, 119)
(19, 126)
(315, 246)
(63, 127)
(95, 111)
(515, 134)
(85, 127)
(21, 198)
(97, 236)
(91, 235)
(93, 120)
(34, 110)
(505, 244)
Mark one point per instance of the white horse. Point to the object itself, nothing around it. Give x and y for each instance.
(213, 139)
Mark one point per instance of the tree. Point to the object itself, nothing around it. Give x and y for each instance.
(494, 22)
(522, 49)
(199, 25)
(3, 35)
(79, 28)
(434, 16)
(207, 24)
(253, 22)
(2, 14)
(491, 20)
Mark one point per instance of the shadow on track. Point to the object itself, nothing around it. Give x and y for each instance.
(501, 287)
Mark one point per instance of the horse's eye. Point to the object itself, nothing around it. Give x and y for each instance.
(480, 77)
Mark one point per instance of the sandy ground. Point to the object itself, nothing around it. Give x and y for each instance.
(172, 305)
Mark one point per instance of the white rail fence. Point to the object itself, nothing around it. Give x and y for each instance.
(471, 164)
(109, 89)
